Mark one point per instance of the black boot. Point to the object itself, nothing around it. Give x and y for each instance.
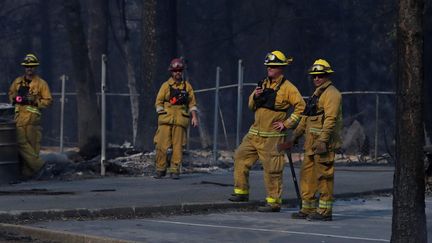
(159, 174)
(175, 176)
(268, 208)
(319, 217)
(239, 197)
(299, 215)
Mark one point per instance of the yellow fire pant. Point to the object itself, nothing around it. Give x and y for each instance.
(169, 136)
(28, 138)
(317, 175)
(251, 149)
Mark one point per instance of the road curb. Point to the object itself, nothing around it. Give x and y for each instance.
(55, 235)
(128, 212)
(152, 211)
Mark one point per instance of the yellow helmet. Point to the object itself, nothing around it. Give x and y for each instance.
(30, 60)
(320, 66)
(277, 58)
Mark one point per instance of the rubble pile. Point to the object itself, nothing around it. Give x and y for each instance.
(194, 161)
(70, 166)
(126, 161)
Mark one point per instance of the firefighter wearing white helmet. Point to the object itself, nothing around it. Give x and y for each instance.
(175, 102)
(321, 124)
(270, 102)
(29, 93)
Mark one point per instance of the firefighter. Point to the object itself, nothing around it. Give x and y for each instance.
(270, 102)
(321, 124)
(29, 93)
(174, 104)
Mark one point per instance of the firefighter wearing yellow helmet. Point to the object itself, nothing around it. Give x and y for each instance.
(321, 124)
(175, 102)
(270, 102)
(29, 93)
(277, 58)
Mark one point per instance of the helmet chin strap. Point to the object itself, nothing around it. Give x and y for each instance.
(177, 80)
(29, 76)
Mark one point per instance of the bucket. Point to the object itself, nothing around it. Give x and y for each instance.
(9, 163)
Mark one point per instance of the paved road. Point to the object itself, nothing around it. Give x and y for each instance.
(115, 192)
(356, 220)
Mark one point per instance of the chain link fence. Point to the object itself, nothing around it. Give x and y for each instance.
(369, 119)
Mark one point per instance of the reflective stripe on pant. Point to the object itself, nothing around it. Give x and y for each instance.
(28, 138)
(169, 136)
(250, 150)
(317, 175)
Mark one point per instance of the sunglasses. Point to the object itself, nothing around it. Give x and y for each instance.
(273, 67)
(314, 76)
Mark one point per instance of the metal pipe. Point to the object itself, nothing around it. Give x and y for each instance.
(103, 114)
(224, 128)
(62, 101)
(239, 101)
(187, 138)
(215, 120)
(376, 126)
(224, 87)
(368, 92)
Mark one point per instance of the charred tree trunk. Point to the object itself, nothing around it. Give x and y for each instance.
(134, 98)
(353, 45)
(50, 117)
(167, 33)
(97, 43)
(159, 46)
(88, 113)
(428, 73)
(131, 73)
(147, 116)
(97, 36)
(46, 37)
(409, 220)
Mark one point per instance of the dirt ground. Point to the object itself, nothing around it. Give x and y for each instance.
(16, 238)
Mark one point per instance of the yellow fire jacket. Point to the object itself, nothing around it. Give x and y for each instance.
(325, 127)
(287, 96)
(39, 92)
(169, 114)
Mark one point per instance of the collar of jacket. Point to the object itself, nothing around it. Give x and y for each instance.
(171, 81)
(321, 88)
(268, 83)
(34, 79)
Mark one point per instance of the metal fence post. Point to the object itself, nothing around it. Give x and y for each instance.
(239, 101)
(376, 126)
(62, 103)
(224, 128)
(215, 121)
(187, 139)
(103, 114)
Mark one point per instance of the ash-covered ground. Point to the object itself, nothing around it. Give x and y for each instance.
(129, 162)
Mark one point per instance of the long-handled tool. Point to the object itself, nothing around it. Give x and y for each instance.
(294, 178)
(287, 148)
